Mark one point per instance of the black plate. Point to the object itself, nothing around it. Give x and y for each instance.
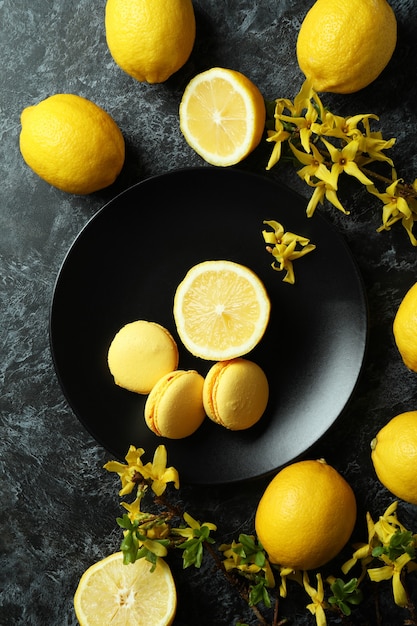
(126, 264)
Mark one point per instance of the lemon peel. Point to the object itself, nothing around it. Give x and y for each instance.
(343, 45)
(150, 39)
(301, 531)
(72, 143)
(405, 328)
(394, 456)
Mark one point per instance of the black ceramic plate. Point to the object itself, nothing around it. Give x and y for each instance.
(126, 264)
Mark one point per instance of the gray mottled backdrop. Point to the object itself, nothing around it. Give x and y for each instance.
(58, 506)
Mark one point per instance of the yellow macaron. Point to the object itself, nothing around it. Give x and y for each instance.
(140, 354)
(235, 393)
(174, 408)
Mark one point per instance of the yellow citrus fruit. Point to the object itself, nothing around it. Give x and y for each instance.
(221, 310)
(150, 39)
(405, 328)
(72, 143)
(394, 455)
(222, 116)
(306, 515)
(343, 45)
(110, 592)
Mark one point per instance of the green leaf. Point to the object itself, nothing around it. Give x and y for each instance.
(345, 609)
(142, 552)
(338, 588)
(401, 542)
(345, 594)
(351, 586)
(203, 532)
(127, 542)
(250, 551)
(124, 522)
(152, 558)
(129, 547)
(240, 551)
(258, 593)
(193, 552)
(260, 559)
(248, 542)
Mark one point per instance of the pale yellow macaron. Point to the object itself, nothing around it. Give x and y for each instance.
(174, 408)
(235, 393)
(140, 354)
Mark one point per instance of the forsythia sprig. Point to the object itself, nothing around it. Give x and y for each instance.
(394, 546)
(390, 552)
(328, 145)
(147, 535)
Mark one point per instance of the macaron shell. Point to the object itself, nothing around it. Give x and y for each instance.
(140, 354)
(174, 408)
(235, 393)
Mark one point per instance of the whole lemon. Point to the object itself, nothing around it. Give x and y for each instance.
(394, 456)
(150, 39)
(72, 143)
(405, 328)
(343, 45)
(306, 515)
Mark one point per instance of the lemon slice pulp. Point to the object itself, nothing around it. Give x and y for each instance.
(110, 592)
(221, 310)
(222, 116)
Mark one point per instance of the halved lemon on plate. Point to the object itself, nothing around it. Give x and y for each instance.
(221, 310)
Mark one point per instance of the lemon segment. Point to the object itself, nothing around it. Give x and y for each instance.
(150, 39)
(221, 310)
(72, 143)
(343, 45)
(222, 116)
(110, 592)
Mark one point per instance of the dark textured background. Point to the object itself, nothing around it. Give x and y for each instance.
(58, 506)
